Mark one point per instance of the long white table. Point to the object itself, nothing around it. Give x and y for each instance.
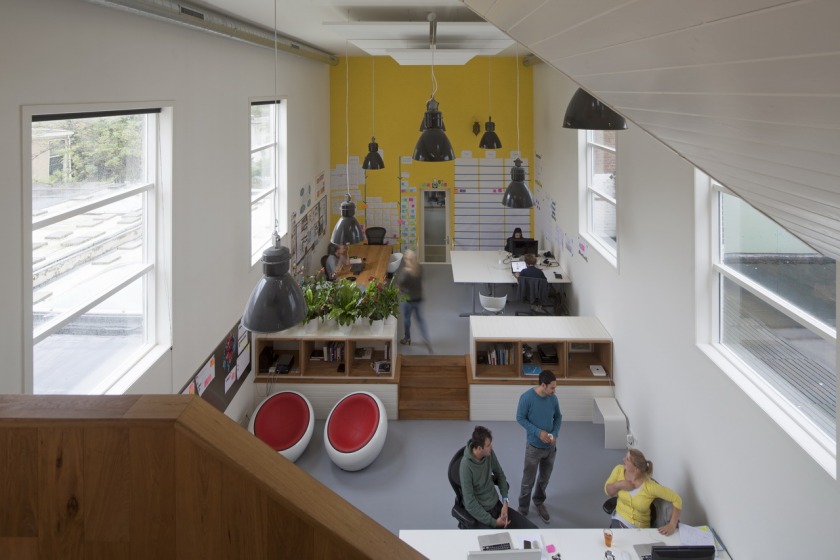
(493, 267)
(572, 544)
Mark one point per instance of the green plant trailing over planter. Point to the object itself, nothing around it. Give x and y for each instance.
(316, 294)
(380, 300)
(344, 303)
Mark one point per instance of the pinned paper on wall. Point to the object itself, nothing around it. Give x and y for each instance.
(206, 375)
(583, 248)
(569, 243)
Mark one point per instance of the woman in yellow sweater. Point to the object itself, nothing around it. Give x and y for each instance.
(636, 490)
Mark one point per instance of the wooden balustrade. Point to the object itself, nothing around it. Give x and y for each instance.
(160, 477)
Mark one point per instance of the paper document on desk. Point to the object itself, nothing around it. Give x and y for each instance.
(694, 536)
(355, 260)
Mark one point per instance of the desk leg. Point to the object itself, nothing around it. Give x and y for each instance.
(473, 305)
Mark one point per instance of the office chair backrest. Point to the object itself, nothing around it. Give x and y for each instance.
(492, 304)
(459, 512)
(324, 261)
(375, 235)
(532, 290)
(660, 511)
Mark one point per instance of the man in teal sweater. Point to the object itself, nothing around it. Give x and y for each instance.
(539, 413)
(480, 473)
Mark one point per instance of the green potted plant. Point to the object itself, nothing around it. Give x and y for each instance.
(344, 304)
(316, 294)
(380, 301)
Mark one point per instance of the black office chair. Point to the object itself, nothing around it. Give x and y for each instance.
(660, 510)
(459, 512)
(375, 235)
(535, 292)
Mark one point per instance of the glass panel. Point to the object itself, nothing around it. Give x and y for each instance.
(603, 219)
(800, 365)
(602, 171)
(262, 172)
(262, 125)
(262, 225)
(78, 161)
(603, 137)
(80, 256)
(763, 251)
(90, 350)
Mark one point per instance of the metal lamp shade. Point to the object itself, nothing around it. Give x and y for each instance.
(277, 301)
(348, 230)
(373, 160)
(587, 113)
(517, 194)
(433, 144)
(490, 140)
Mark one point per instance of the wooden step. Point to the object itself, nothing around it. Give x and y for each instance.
(434, 415)
(433, 388)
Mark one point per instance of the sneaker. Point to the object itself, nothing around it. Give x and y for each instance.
(543, 511)
(524, 512)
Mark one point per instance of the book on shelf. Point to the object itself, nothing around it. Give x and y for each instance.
(364, 353)
(598, 371)
(531, 369)
(382, 366)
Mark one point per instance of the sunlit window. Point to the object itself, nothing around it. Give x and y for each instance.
(268, 182)
(599, 202)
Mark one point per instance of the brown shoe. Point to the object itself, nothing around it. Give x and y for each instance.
(543, 511)
(406, 341)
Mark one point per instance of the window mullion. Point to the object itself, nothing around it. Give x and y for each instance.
(60, 216)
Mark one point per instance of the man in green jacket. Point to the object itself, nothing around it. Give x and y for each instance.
(480, 474)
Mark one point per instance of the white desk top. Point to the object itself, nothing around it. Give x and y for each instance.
(572, 544)
(477, 267)
(539, 328)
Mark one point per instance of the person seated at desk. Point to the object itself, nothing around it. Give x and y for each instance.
(336, 261)
(517, 234)
(530, 270)
(636, 490)
(480, 473)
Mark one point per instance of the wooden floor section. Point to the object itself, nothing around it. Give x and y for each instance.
(433, 388)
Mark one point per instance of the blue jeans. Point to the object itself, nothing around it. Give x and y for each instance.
(407, 308)
(536, 457)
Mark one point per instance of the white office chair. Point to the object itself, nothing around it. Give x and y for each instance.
(394, 262)
(494, 305)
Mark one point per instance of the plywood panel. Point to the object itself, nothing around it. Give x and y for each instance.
(61, 497)
(18, 485)
(19, 548)
(152, 472)
(244, 509)
(106, 483)
(198, 502)
(287, 536)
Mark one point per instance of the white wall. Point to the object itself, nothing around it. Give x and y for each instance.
(735, 468)
(70, 51)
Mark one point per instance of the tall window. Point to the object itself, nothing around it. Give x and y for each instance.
(598, 206)
(94, 187)
(268, 174)
(777, 314)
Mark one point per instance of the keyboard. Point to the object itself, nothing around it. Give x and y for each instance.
(645, 557)
(500, 546)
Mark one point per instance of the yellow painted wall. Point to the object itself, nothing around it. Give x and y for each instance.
(401, 94)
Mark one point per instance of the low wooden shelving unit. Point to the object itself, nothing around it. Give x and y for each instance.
(501, 347)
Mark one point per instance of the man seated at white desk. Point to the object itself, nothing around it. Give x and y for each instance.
(530, 270)
(480, 474)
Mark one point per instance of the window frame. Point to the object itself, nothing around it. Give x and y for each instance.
(154, 272)
(588, 193)
(279, 192)
(710, 276)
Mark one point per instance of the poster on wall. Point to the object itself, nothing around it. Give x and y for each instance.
(224, 371)
(308, 229)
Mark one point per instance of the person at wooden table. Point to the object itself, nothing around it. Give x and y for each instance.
(336, 261)
(636, 490)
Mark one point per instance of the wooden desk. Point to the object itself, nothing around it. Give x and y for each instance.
(572, 544)
(375, 258)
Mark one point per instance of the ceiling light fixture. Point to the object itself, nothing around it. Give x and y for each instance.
(490, 140)
(374, 159)
(588, 113)
(433, 144)
(517, 194)
(348, 230)
(276, 303)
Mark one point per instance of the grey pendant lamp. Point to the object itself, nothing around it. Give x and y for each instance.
(373, 160)
(348, 230)
(433, 144)
(588, 113)
(276, 303)
(489, 140)
(517, 194)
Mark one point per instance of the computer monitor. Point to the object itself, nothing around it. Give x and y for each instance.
(519, 247)
(682, 552)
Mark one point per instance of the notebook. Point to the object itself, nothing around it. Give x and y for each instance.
(517, 266)
(495, 541)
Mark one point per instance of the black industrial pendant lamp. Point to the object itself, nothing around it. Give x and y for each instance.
(489, 140)
(348, 230)
(587, 113)
(373, 160)
(517, 194)
(277, 301)
(433, 144)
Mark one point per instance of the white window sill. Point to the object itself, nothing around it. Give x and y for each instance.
(609, 253)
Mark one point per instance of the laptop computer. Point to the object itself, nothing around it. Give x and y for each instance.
(644, 550)
(517, 554)
(517, 266)
(495, 541)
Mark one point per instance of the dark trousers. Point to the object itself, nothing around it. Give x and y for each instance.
(517, 520)
(536, 458)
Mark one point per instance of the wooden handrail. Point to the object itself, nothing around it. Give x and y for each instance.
(162, 477)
